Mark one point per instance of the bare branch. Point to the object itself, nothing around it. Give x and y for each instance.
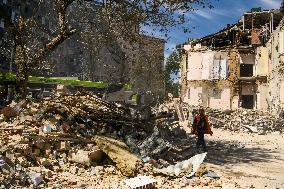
(64, 33)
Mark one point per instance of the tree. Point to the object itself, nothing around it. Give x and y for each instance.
(172, 68)
(27, 32)
(147, 71)
(33, 42)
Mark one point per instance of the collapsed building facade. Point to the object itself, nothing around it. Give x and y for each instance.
(237, 66)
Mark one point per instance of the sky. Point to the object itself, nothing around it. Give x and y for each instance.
(207, 21)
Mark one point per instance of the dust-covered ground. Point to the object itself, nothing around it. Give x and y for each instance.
(242, 160)
(246, 160)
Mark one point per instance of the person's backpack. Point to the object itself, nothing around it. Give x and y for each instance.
(201, 126)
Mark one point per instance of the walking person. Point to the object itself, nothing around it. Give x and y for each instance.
(200, 127)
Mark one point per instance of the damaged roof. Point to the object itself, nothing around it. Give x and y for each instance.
(254, 28)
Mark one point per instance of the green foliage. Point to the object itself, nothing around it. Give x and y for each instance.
(32, 79)
(172, 68)
(121, 19)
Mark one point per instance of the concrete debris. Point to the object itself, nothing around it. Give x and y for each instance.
(212, 174)
(140, 182)
(36, 178)
(185, 168)
(128, 163)
(61, 141)
(244, 120)
(154, 145)
(86, 157)
(9, 112)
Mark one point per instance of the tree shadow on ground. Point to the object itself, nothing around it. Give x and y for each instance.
(229, 152)
(223, 152)
(234, 152)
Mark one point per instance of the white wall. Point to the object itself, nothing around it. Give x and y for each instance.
(262, 97)
(195, 97)
(207, 64)
(194, 70)
(223, 103)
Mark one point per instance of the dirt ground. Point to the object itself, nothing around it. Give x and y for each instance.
(245, 160)
(242, 160)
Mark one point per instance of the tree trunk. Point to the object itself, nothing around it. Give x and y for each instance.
(22, 73)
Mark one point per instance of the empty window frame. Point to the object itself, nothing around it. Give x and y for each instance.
(246, 70)
(216, 93)
(247, 101)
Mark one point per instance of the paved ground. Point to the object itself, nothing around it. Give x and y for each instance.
(245, 160)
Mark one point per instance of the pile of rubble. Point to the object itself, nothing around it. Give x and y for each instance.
(246, 120)
(65, 141)
(40, 139)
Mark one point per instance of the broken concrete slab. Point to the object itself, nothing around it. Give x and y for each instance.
(187, 167)
(9, 112)
(140, 182)
(36, 178)
(119, 153)
(86, 157)
(212, 174)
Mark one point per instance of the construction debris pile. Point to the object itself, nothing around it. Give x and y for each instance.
(245, 120)
(65, 141)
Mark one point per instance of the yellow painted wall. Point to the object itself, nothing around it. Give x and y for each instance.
(262, 61)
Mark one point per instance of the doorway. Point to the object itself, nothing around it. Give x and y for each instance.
(247, 101)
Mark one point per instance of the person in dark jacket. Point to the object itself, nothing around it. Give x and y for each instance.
(200, 127)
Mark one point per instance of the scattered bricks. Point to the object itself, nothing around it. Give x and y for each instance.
(47, 152)
(44, 162)
(65, 127)
(10, 155)
(23, 162)
(245, 120)
(63, 146)
(73, 170)
(46, 173)
(9, 112)
(81, 156)
(24, 149)
(36, 152)
(39, 144)
(47, 146)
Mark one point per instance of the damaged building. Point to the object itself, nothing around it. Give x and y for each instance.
(232, 68)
